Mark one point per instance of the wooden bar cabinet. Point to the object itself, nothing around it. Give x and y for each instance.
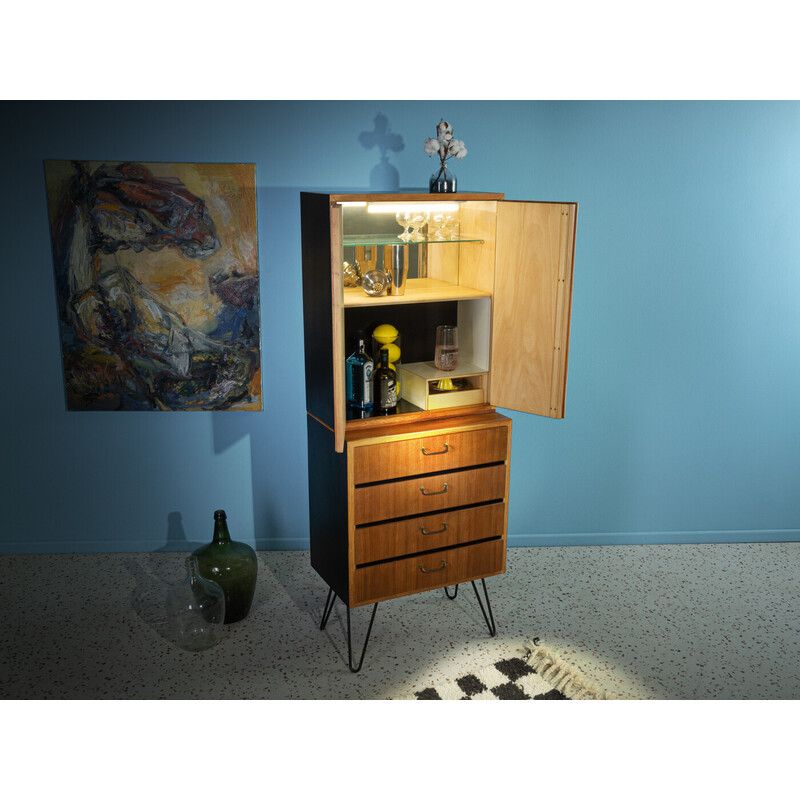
(419, 500)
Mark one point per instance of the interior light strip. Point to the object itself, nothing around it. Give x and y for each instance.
(393, 208)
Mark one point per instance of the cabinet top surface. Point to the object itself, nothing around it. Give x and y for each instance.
(414, 197)
(416, 429)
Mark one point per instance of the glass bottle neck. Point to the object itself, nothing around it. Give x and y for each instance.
(221, 531)
(192, 567)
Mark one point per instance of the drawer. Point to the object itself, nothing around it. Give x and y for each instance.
(444, 451)
(419, 383)
(443, 529)
(422, 572)
(422, 495)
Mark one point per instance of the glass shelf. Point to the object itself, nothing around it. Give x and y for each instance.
(375, 239)
(403, 407)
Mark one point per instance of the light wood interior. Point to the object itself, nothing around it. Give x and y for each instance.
(532, 291)
(339, 354)
(563, 309)
(477, 260)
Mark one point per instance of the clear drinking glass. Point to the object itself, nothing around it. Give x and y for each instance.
(446, 356)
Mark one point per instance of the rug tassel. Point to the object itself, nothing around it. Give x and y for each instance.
(562, 676)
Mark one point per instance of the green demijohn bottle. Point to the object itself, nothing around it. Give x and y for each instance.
(233, 565)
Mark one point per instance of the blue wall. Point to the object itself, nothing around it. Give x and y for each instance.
(683, 398)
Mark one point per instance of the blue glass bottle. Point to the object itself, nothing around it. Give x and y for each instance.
(359, 378)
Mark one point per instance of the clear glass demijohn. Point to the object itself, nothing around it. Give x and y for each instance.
(195, 610)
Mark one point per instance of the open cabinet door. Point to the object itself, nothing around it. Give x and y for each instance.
(337, 332)
(322, 314)
(531, 306)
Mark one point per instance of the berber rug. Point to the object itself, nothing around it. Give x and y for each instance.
(541, 675)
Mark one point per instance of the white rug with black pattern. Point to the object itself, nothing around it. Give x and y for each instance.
(542, 675)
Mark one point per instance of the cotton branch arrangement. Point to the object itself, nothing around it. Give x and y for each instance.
(445, 146)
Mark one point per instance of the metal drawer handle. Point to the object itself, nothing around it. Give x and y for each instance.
(438, 569)
(428, 494)
(437, 453)
(430, 533)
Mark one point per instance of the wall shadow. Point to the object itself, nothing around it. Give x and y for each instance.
(384, 175)
(277, 434)
(176, 536)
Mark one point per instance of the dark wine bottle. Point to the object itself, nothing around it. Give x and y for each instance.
(384, 380)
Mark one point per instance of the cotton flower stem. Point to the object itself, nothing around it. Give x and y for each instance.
(443, 168)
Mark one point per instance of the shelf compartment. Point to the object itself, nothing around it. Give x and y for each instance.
(418, 290)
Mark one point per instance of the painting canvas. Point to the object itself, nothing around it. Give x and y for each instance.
(157, 282)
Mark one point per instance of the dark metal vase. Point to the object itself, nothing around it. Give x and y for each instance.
(233, 565)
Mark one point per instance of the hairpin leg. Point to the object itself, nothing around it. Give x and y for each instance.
(328, 608)
(490, 617)
(329, 603)
(349, 645)
(451, 596)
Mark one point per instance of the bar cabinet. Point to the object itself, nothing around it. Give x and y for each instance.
(418, 500)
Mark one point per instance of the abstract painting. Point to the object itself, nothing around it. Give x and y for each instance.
(157, 283)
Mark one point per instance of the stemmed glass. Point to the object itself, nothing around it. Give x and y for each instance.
(436, 226)
(404, 221)
(419, 219)
(450, 226)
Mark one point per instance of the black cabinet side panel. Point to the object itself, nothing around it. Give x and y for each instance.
(317, 305)
(327, 497)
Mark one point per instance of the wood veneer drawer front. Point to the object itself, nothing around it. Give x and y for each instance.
(431, 571)
(443, 529)
(421, 495)
(398, 459)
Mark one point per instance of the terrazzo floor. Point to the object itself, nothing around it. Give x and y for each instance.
(643, 622)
